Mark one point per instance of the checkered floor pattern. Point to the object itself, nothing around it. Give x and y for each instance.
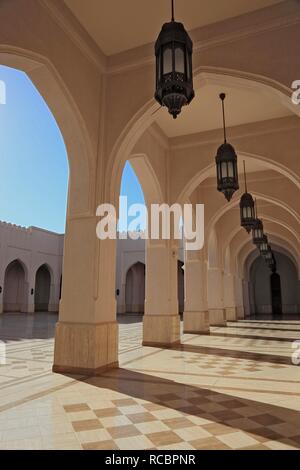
(235, 389)
(203, 419)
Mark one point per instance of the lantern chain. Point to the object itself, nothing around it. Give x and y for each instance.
(222, 97)
(245, 176)
(173, 15)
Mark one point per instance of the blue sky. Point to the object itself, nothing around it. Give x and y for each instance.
(33, 159)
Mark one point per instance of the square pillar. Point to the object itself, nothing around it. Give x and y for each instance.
(239, 298)
(217, 314)
(196, 316)
(86, 336)
(161, 322)
(229, 297)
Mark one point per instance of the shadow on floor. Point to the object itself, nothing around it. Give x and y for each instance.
(238, 354)
(260, 420)
(264, 326)
(255, 337)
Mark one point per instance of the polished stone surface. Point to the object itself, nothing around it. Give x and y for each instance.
(233, 389)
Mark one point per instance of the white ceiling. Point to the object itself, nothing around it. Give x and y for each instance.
(242, 106)
(119, 25)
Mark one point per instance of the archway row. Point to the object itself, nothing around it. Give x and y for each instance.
(28, 290)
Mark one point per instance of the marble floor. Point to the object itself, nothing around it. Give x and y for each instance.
(233, 389)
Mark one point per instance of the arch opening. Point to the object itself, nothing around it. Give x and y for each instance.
(135, 288)
(277, 293)
(42, 289)
(15, 288)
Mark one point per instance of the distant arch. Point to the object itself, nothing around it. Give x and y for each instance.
(15, 287)
(268, 295)
(42, 289)
(135, 288)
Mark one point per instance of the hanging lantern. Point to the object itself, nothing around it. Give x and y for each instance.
(268, 256)
(257, 232)
(263, 246)
(257, 229)
(226, 161)
(247, 208)
(174, 74)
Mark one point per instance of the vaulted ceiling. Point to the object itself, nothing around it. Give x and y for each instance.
(119, 25)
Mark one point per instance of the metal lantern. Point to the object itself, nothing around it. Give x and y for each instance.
(263, 246)
(174, 74)
(247, 208)
(226, 162)
(268, 256)
(257, 232)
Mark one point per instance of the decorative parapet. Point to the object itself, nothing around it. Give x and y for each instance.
(8, 225)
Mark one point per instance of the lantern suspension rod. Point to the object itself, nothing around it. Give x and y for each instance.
(173, 13)
(245, 176)
(222, 97)
(256, 214)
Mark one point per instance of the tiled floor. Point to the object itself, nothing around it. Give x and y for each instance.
(234, 389)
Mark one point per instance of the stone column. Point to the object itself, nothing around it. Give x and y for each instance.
(28, 296)
(229, 297)
(2, 273)
(196, 317)
(239, 298)
(246, 297)
(86, 337)
(2, 277)
(54, 298)
(122, 298)
(161, 322)
(217, 316)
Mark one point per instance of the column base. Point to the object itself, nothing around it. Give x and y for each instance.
(85, 349)
(240, 313)
(231, 313)
(53, 308)
(161, 330)
(196, 323)
(217, 317)
(28, 308)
